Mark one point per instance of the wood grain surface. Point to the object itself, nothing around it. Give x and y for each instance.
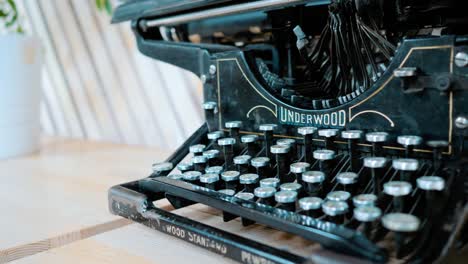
(59, 195)
(136, 243)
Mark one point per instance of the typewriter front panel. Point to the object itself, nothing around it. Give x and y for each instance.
(386, 106)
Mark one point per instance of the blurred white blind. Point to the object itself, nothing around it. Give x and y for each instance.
(98, 86)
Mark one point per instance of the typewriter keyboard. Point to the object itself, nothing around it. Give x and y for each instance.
(345, 177)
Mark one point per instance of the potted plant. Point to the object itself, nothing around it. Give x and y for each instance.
(20, 85)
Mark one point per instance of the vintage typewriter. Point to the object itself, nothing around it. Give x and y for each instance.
(343, 122)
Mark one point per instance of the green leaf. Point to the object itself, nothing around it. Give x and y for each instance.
(104, 5)
(108, 7)
(9, 15)
(100, 4)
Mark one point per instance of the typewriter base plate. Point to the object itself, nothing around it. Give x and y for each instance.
(265, 235)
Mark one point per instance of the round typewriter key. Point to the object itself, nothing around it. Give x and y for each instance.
(261, 164)
(175, 176)
(210, 180)
(437, 148)
(268, 127)
(242, 162)
(267, 130)
(399, 222)
(234, 130)
(249, 138)
(364, 200)
(376, 166)
(197, 149)
(338, 196)
(311, 206)
(407, 167)
(211, 108)
(213, 138)
(227, 192)
(405, 164)
(335, 211)
(347, 178)
(212, 156)
(325, 157)
(292, 186)
(250, 181)
(329, 135)
(286, 200)
(313, 181)
(226, 141)
(245, 196)
(249, 141)
(402, 225)
(199, 163)
(306, 130)
(298, 168)
(377, 139)
(279, 149)
(227, 145)
(409, 142)
(163, 167)
(291, 144)
(375, 162)
(366, 215)
(192, 177)
(214, 169)
(215, 135)
(266, 195)
(281, 153)
(398, 189)
(352, 136)
(231, 179)
(348, 181)
(430, 185)
(308, 136)
(270, 182)
(324, 154)
(233, 124)
(184, 166)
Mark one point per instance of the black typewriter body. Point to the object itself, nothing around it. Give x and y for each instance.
(371, 101)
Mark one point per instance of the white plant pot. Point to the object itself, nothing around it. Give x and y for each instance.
(20, 94)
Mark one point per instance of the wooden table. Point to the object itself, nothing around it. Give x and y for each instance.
(59, 195)
(54, 210)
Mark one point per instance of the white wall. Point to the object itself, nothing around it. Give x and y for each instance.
(98, 86)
